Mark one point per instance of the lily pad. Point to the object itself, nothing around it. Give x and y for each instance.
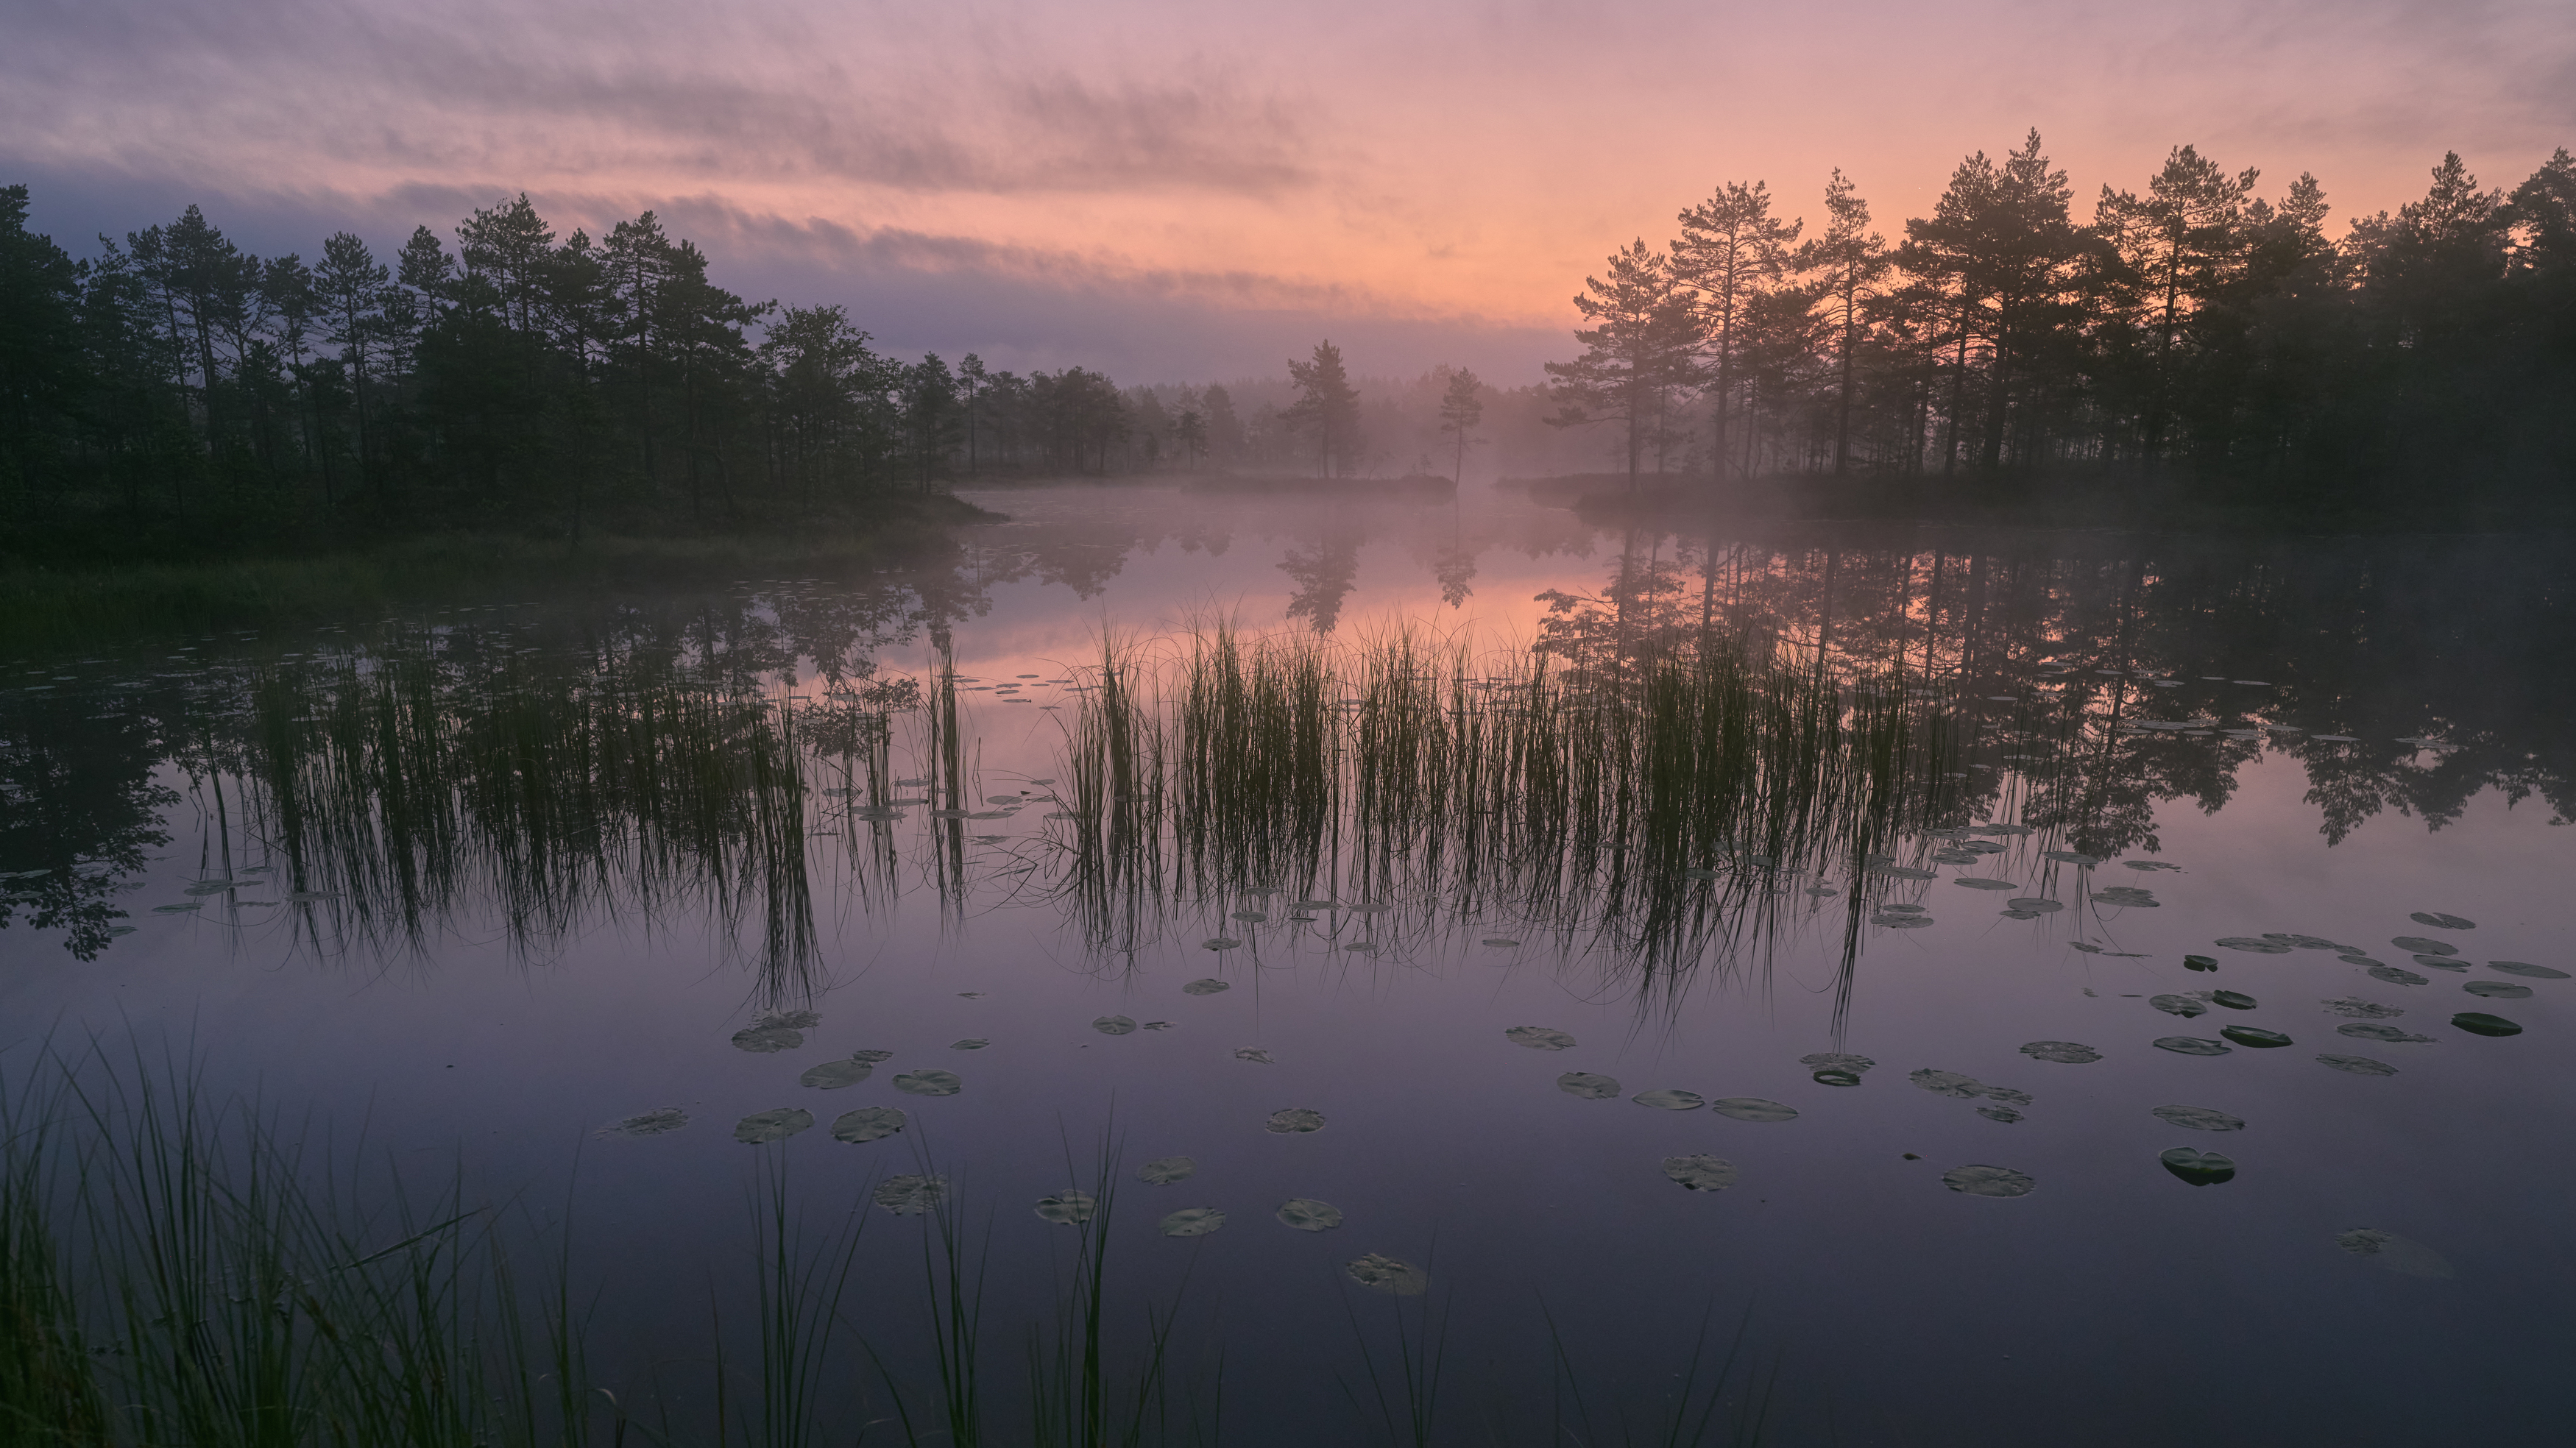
(2198, 1168)
(868, 1123)
(971, 1043)
(2373, 1031)
(766, 1126)
(2006, 1095)
(2254, 944)
(2442, 962)
(2199, 962)
(1832, 1076)
(1164, 1170)
(929, 1083)
(910, 1196)
(2424, 945)
(1294, 1121)
(1499, 943)
(833, 1075)
(1114, 1025)
(764, 1037)
(1976, 882)
(1254, 1054)
(2198, 1118)
(1068, 1208)
(2064, 1053)
(1590, 1085)
(1192, 1222)
(1209, 986)
(1219, 942)
(2362, 1010)
(1988, 1181)
(2440, 921)
(2004, 1114)
(2191, 1046)
(1837, 1061)
(651, 1123)
(2498, 990)
(2234, 1000)
(1309, 1215)
(1701, 1173)
(2033, 905)
(1752, 1108)
(1539, 1038)
(2398, 1254)
(2479, 1023)
(2150, 865)
(1948, 1083)
(2396, 975)
(871, 1057)
(2253, 1036)
(1388, 1274)
(2357, 1065)
(2527, 970)
(1668, 1099)
(2069, 857)
(2178, 1005)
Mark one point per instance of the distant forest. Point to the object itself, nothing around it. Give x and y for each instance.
(2422, 363)
(174, 395)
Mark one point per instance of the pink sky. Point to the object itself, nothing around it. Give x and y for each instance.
(1175, 190)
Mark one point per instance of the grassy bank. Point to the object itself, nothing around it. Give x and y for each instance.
(53, 607)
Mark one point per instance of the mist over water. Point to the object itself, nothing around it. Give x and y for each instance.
(1400, 858)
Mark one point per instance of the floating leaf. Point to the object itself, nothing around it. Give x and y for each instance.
(2178, 1005)
(1163, 1171)
(1976, 882)
(2004, 1114)
(2064, 1053)
(1901, 922)
(1114, 1025)
(1253, 1053)
(2197, 1167)
(2398, 1254)
(2150, 865)
(2357, 1065)
(2440, 921)
(2254, 944)
(1499, 943)
(2479, 1023)
(1219, 942)
(1752, 1108)
(1988, 1181)
(971, 1043)
(1948, 1083)
(1294, 1120)
(1255, 916)
(1701, 1173)
(652, 1123)
(872, 1057)
(2032, 905)
(768, 1126)
(1309, 1215)
(2373, 1031)
(1668, 1099)
(1068, 1208)
(2362, 1010)
(2190, 1046)
(2396, 975)
(2498, 990)
(1590, 1085)
(2198, 1118)
(2199, 962)
(1539, 1038)
(2301, 942)
(1906, 872)
(2069, 857)
(929, 1083)
(2253, 1036)
(2234, 1000)
(2424, 945)
(868, 1123)
(833, 1075)
(764, 1037)
(2526, 969)
(1831, 1076)
(1192, 1222)
(1388, 1274)
(1837, 1061)
(910, 1196)
(1209, 986)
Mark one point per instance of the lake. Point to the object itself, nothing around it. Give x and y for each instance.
(1862, 983)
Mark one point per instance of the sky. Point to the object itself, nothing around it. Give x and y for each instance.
(1180, 191)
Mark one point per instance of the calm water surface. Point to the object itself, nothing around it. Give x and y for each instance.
(554, 859)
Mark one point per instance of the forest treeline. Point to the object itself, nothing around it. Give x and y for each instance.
(175, 394)
(2193, 329)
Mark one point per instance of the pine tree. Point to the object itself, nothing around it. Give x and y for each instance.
(1327, 405)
